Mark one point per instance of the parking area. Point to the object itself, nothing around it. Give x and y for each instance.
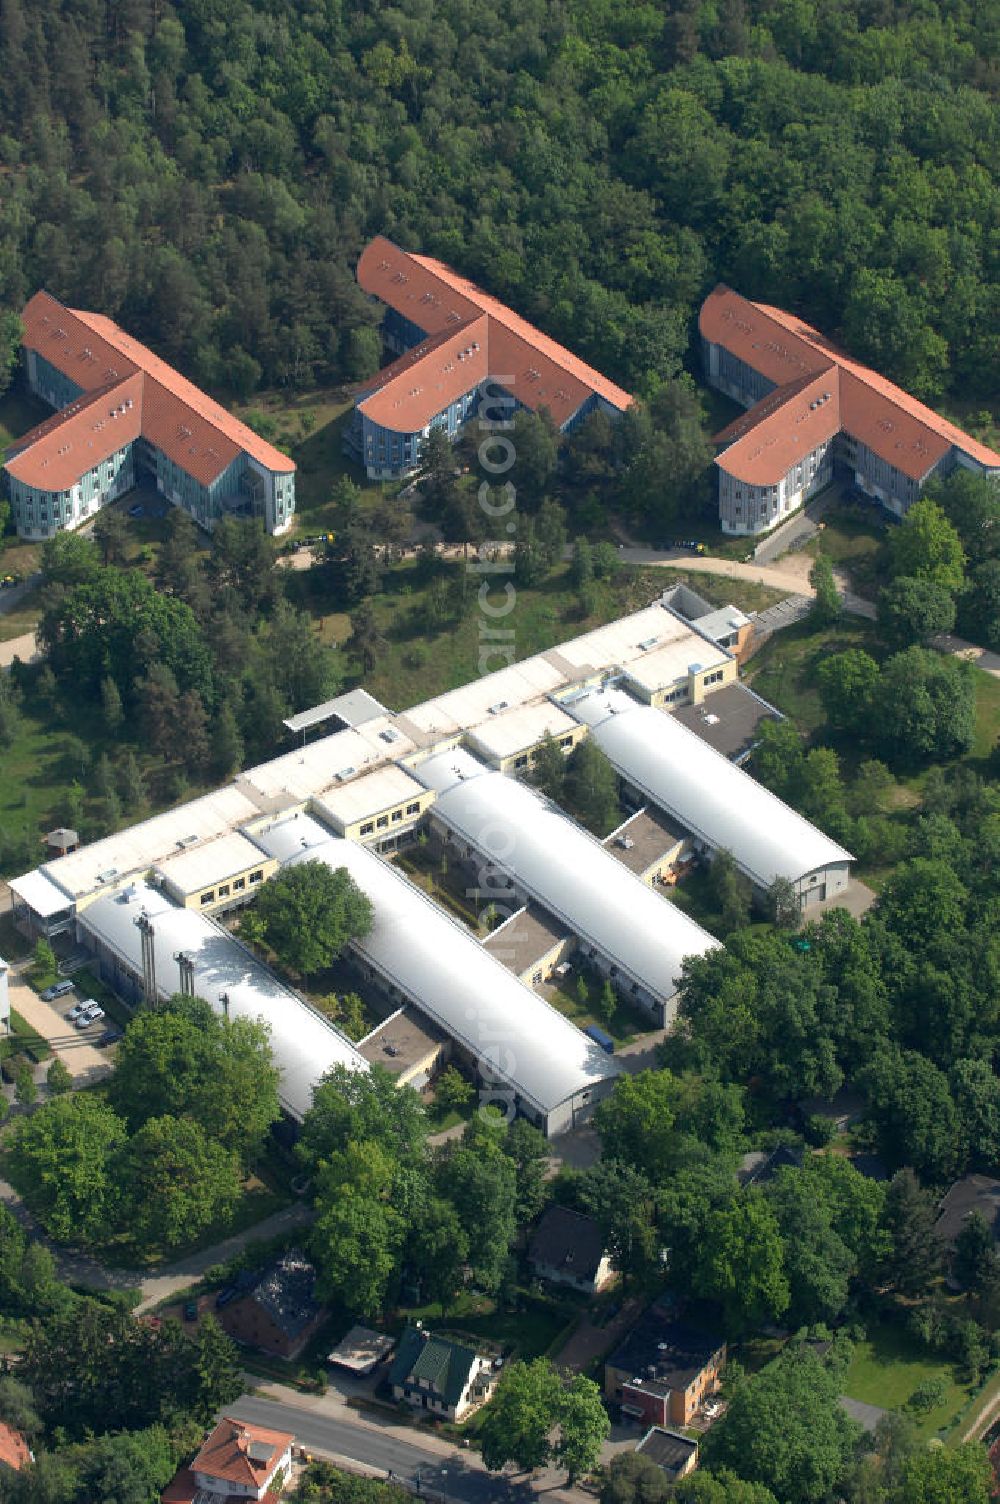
(76, 1047)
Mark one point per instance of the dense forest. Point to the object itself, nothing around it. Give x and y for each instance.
(207, 172)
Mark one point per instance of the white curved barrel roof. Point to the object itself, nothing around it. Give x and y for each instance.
(303, 1043)
(435, 961)
(565, 870)
(703, 790)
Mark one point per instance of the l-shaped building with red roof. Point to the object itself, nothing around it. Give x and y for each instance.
(122, 412)
(811, 407)
(454, 342)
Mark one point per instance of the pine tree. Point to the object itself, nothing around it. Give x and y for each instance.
(908, 1216)
(111, 704)
(227, 743)
(131, 783)
(581, 570)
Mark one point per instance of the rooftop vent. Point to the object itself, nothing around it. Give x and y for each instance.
(345, 773)
(500, 705)
(647, 643)
(625, 842)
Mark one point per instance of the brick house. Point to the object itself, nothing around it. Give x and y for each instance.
(664, 1370)
(279, 1312)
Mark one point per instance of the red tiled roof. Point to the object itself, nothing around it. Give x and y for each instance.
(537, 370)
(790, 423)
(873, 410)
(226, 1453)
(53, 456)
(187, 425)
(425, 380)
(14, 1450)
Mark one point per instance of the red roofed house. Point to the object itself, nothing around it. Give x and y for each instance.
(123, 412)
(14, 1450)
(455, 341)
(237, 1461)
(811, 407)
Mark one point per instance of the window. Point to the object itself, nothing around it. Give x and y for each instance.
(256, 877)
(239, 885)
(208, 897)
(397, 814)
(413, 809)
(520, 762)
(367, 828)
(715, 678)
(565, 741)
(536, 977)
(223, 890)
(382, 821)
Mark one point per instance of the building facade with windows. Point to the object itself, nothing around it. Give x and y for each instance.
(455, 347)
(123, 415)
(812, 408)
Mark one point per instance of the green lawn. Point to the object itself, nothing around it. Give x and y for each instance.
(784, 671)
(310, 428)
(853, 539)
(24, 616)
(720, 590)
(532, 1330)
(25, 1040)
(889, 1365)
(625, 1023)
(987, 714)
(19, 411)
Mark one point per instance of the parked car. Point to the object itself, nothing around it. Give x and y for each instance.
(225, 1296)
(110, 1036)
(136, 510)
(78, 1008)
(191, 1310)
(90, 1015)
(58, 989)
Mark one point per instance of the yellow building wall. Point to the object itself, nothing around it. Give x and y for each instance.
(552, 958)
(229, 890)
(383, 823)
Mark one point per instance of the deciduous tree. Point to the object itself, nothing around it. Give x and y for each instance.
(310, 913)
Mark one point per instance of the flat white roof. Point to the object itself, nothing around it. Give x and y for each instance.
(106, 862)
(514, 731)
(304, 1044)
(721, 622)
(623, 643)
(473, 702)
(567, 871)
(310, 770)
(369, 795)
(516, 1036)
(40, 893)
(617, 644)
(353, 708)
(210, 863)
(673, 661)
(704, 791)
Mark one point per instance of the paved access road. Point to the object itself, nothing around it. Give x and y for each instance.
(441, 1471)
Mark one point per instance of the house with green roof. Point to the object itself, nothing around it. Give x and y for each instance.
(441, 1377)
